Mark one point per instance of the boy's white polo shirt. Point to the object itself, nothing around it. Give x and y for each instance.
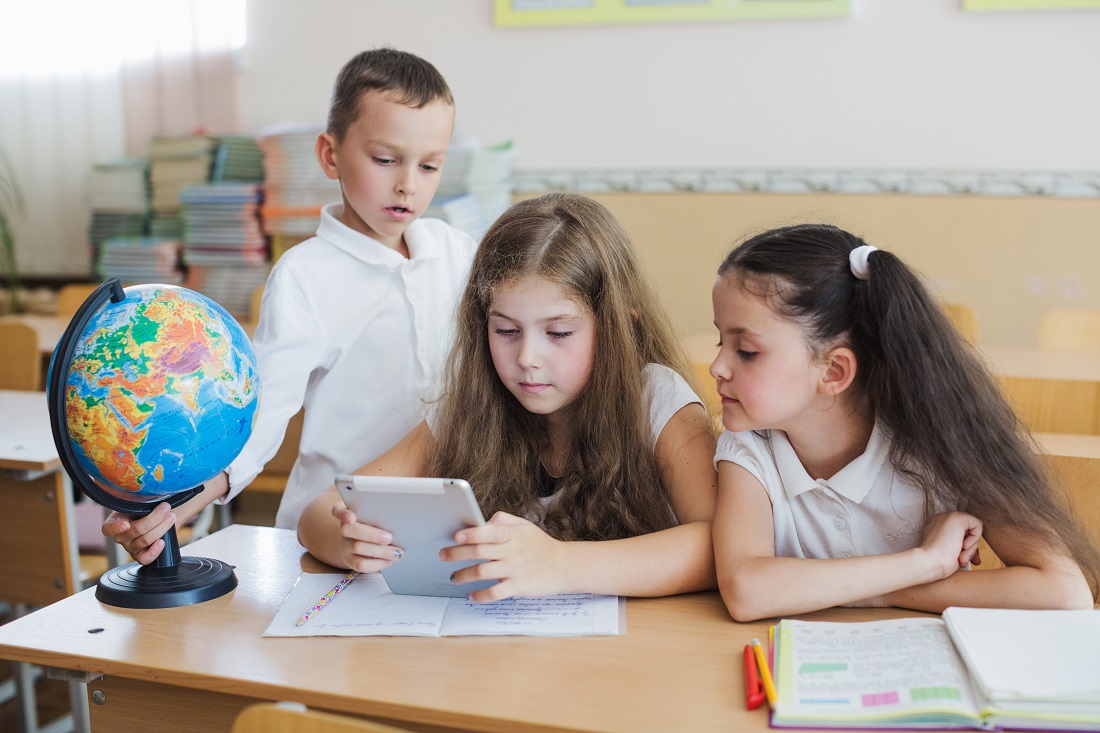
(866, 508)
(355, 332)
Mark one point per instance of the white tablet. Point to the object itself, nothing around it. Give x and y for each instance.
(423, 514)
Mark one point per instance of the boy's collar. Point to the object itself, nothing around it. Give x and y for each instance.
(422, 244)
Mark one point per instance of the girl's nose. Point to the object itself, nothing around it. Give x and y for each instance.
(719, 368)
(528, 354)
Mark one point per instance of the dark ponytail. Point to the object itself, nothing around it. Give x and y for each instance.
(952, 432)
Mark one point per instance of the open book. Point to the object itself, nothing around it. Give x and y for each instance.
(366, 607)
(974, 668)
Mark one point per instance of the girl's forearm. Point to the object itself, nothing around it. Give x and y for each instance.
(675, 560)
(763, 587)
(319, 531)
(1059, 585)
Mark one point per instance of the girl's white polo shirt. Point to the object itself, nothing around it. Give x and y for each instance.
(866, 508)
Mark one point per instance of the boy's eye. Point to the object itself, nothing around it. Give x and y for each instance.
(559, 334)
(429, 168)
(382, 161)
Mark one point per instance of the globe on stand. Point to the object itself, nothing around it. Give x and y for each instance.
(152, 392)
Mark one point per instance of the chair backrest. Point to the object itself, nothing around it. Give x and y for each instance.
(254, 304)
(1070, 329)
(280, 718)
(72, 296)
(965, 321)
(20, 360)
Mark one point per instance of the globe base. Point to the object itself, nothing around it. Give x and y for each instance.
(193, 580)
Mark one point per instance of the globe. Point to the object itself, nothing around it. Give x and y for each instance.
(152, 391)
(160, 392)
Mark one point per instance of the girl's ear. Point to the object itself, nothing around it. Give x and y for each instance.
(326, 155)
(840, 371)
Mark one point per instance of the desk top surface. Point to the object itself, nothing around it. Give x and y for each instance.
(678, 667)
(26, 441)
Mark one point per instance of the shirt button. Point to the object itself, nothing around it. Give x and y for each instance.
(839, 523)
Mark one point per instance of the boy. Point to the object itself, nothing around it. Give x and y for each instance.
(353, 322)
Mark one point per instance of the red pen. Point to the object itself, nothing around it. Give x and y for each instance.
(754, 688)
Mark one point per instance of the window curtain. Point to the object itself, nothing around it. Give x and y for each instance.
(86, 82)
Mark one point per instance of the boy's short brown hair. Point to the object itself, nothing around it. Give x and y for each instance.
(415, 81)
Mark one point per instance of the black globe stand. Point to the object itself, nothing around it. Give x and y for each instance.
(171, 580)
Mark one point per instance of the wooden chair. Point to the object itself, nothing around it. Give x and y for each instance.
(965, 321)
(254, 304)
(72, 296)
(267, 717)
(20, 359)
(1069, 329)
(1074, 463)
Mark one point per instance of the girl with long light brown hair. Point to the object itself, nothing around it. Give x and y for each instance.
(567, 405)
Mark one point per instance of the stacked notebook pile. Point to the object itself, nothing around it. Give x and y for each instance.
(175, 162)
(224, 248)
(118, 198)
(295, 186)
(482, 172)
(238, 158)
(137, 260)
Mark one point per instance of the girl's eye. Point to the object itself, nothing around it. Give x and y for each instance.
(746, 355)
(507, 331)
(559, 334)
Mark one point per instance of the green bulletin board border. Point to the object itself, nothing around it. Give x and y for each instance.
(511, 12)
(1028, 4)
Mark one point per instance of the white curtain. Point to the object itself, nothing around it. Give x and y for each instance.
(82, 82)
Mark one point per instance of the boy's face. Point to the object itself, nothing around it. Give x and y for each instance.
(388, 164)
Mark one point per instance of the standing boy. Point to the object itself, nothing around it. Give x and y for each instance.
(354, 321)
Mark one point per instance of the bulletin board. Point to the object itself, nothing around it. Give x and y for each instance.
(589, 12)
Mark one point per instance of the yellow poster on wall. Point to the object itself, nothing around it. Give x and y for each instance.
(1028, 4)
(586, 12)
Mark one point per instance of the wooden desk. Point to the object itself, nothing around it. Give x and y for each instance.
(1054, 391)
(678, 667)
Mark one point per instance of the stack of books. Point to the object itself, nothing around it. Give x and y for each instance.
(137, 260)
(119, 201)
(238, 158)
(295, 186)
(485, 173)
(222, 233)
(175, 162)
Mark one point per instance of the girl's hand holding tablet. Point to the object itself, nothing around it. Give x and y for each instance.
(365, 549)
(526, 560)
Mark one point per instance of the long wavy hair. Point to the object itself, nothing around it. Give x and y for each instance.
(952, 432)
(611, 487)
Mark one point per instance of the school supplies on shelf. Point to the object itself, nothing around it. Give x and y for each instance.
(368, 608)
(974, 668)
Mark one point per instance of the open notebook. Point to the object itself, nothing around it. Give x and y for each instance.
(974, 668)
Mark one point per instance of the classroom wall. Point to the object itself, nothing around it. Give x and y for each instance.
(1008, 258)
(898, 84)
(908, 85)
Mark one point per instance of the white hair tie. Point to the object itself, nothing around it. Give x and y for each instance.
(858, 259)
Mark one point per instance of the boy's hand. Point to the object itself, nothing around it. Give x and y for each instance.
(526, 560)
(951, 541)
(141, 537)
(365, 549)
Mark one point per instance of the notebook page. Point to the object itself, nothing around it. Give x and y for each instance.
(1029, 655)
